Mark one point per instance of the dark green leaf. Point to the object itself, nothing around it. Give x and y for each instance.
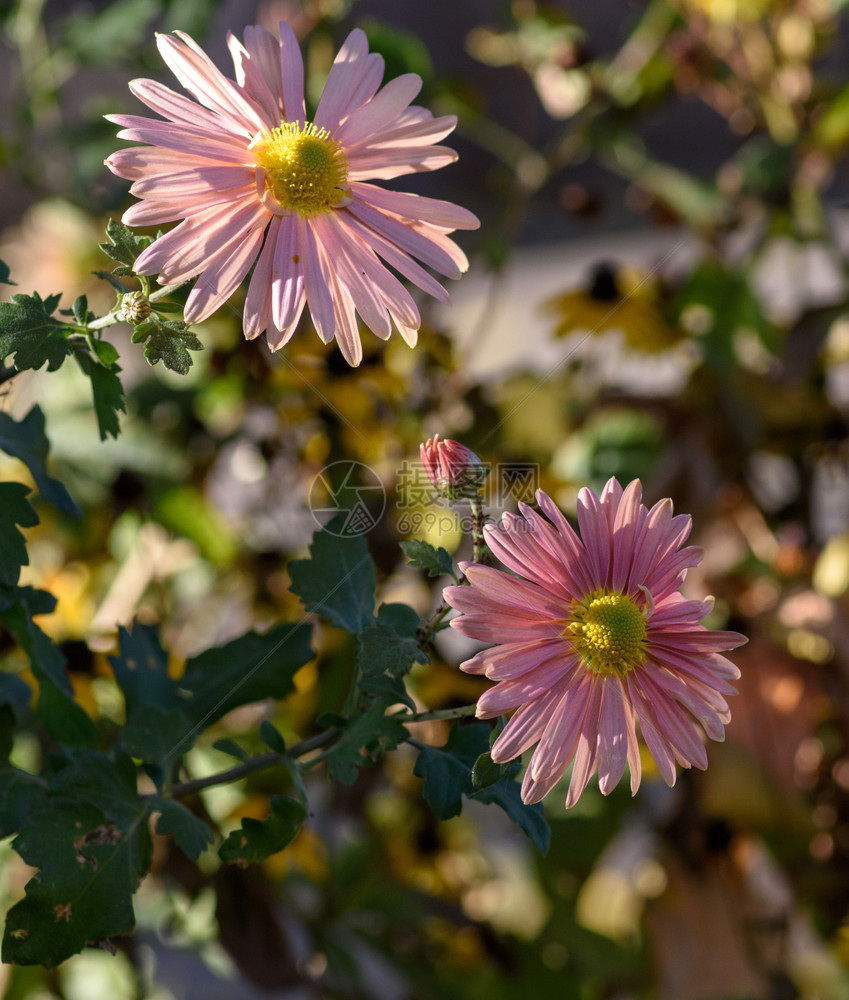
(437, 562)
(63, 718)
(230, 747)
(190, 833)
(447, 770)
(387, 690)
(152, 733)
(18, 605)
(486, 772)
(508, 795)
(383, 649)
(259, 839)
(15, 510)
(90, 841)
(362, 743)
(21, 794)
(338, 580)
(155, 714)
(4, 274)
(124, 245)
(80, 311)
(161, 306)
(250, 668)
(14, 692)
(270, 736)
(108, 394)
(30, 332)
(7, 731)
(26, 440)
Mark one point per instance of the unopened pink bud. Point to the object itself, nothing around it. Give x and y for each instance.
(455, 470)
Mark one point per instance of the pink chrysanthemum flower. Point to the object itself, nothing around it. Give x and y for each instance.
(254, 180)
(593, 636)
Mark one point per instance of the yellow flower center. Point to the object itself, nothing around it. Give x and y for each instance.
(608, 632)
(305, 168)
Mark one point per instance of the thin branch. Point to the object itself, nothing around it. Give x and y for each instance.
(258, 763)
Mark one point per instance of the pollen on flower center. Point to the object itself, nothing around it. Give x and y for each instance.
(608, 632)
(305, 168)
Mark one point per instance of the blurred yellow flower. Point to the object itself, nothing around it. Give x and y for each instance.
(615, 300)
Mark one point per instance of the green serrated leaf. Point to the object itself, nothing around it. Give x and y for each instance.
(15, 510)
(338, 580)
(387, 690)
(91, 843)
(156, 718)
(190, 833)
(26, 440)
(247, 669)
(362, 743)
(383, 649)
(447, 770)
(4, 274)
(508, 796)
(124, 245)
(423, 555)
(168, 342)
(257, 840)
(270, 736)
(30, 332)
(107, 392)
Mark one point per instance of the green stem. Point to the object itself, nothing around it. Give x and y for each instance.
(259, 763)
(478, 521)
(439, 715)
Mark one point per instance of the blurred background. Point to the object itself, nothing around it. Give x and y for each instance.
(658, 290)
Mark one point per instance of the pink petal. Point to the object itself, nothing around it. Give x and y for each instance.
(348, 75)
(292, 74)
(287, 274)
(613, 734)
(177, 108)
(371, 118)
(221, 276)
(257, 312)
(257, 65)
(206, 83)
(507, 695)
(413, 206)
(511, 660)
(406, 237)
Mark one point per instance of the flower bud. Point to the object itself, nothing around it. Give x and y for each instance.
(455, 470)
(135, 307)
